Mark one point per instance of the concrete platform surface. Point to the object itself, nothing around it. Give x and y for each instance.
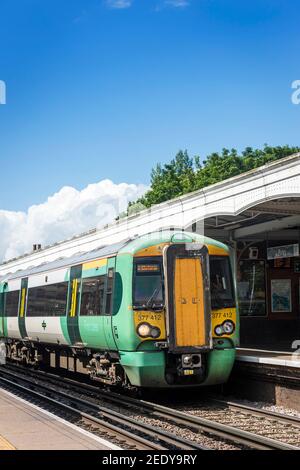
(277, 358)
(25, 426)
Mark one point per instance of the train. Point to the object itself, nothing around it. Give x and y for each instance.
(153, 311)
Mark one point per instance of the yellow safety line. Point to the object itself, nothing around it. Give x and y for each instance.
(5, 445)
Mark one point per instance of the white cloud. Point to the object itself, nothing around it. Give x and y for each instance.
(162, 4)
(66, 213)
(119, 4)
(177, 3)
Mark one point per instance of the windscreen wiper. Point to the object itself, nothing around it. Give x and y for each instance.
(152, 297)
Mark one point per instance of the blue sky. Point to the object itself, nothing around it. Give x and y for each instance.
(106, 89)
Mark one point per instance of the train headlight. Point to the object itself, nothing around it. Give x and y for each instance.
(187, 359)
(155, 332)
(228, 327)
(144, 330)
(219, 330)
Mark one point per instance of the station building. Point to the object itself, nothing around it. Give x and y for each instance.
(258, 215)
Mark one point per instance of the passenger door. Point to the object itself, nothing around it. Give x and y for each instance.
(73, 305)
(108, 301)
(22, 308)
(1, 313)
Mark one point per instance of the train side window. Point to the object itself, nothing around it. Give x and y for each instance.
(109, 290)
(92, 296)
(11, 303)
(47, 301)
(1, 304)
(57, 299)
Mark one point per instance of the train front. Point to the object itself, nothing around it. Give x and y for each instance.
(185, 315)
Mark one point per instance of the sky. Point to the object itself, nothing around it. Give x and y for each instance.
(99, 91)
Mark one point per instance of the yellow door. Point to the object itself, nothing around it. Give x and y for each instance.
(189, 303)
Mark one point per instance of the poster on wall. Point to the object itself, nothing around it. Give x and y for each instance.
(281, 295)
(282, 263)
(251, 287)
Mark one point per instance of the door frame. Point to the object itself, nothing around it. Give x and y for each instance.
(73, 305)
(23, 307)
(170, 253)
(111, 340)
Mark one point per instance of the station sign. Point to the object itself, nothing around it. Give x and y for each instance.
(284, 251)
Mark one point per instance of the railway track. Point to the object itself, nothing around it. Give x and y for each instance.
(202, 426)
(118, 429)
(270, 415)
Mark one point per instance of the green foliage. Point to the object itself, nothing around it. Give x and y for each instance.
(185, 174)
(135, 207)
(171, 180)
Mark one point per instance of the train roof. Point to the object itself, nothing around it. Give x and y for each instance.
(78, 258)
(131, 245)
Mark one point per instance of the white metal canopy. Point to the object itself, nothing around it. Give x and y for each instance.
(277, 181)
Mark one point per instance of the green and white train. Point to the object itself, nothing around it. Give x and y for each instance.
(155, 311)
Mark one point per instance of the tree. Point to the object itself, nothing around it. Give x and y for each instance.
(184, 174)
(171, 180)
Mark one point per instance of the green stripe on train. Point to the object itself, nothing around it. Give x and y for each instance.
(64, 329)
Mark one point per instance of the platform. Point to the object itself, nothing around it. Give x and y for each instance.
(24, 426)
(266, 375)
(263, 356)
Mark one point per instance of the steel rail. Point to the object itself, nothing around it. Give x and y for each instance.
(153, 432)
(268, 414)
(90, 419)
(227, 432)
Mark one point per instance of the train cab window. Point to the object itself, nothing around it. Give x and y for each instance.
(11, 304)
(221, 285)
(92, 296)
(148, 289)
